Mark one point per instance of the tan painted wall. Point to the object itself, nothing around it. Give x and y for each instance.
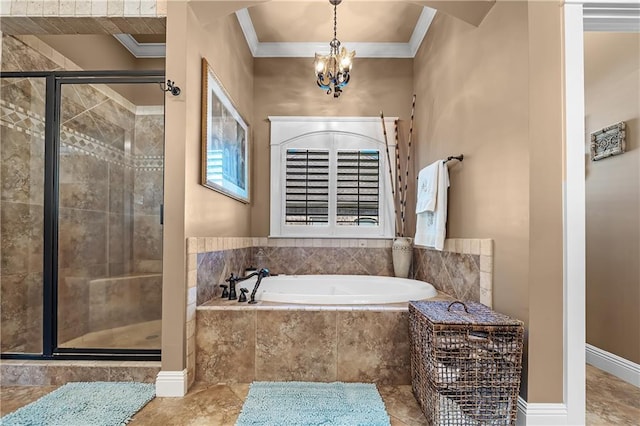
(190, 209)
(105, 53)
(546, 160)
(286, 86)
(223, 45)
(612, 88)
(475, 97)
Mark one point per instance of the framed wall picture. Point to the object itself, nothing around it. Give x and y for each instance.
(608, 141)
(225, 136)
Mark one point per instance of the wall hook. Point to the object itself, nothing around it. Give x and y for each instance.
(170, 87)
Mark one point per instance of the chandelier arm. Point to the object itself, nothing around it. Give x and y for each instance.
(322, 85)
(324, 82)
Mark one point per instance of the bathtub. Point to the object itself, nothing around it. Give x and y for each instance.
(340, 289)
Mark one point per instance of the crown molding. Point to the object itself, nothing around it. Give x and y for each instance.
(244, 19)
(619, 17)
(420, 31)
(308, 50)
(141, 50)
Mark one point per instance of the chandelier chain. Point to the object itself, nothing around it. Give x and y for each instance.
(335, 21)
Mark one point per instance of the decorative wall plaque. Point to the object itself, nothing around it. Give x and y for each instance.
(608, 141)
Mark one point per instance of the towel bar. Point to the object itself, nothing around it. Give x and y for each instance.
(457, 157)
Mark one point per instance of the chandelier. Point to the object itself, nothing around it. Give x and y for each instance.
(333, 69)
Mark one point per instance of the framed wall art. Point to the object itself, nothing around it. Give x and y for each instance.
(608, 141)
(225, 136)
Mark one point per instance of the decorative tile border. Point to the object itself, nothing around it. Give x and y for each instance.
(204, 244)
(149, 110)
(15, 117)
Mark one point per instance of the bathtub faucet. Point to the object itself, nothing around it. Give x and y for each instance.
(264, 272)
(233, 280)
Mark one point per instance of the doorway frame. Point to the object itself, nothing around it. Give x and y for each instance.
(574, 222)
(574, 197)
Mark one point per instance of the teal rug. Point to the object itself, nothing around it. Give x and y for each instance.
(84, 404)
(310, 404)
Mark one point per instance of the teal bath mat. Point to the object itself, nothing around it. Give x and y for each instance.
(84, 404)
(309, 404)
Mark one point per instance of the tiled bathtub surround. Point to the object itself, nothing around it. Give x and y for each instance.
(239, 346)
(217, 258)
(211, 260)
(216, 266)
(464, 269)
(327, 260)
(209, 263)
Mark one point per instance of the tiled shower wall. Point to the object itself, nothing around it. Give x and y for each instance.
(111, 163)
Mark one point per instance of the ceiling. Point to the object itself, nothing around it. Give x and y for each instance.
(374, 29)
(299, 28)
(307, 21)
(285, 28)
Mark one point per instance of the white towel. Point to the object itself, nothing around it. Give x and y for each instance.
(431, 225)
(427, 188)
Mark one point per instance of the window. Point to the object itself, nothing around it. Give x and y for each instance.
(327, 182)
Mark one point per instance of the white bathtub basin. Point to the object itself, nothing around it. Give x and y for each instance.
(340, 289)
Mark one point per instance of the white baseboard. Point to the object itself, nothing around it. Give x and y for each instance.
(613, 364)
(171, 383)
(541, 414)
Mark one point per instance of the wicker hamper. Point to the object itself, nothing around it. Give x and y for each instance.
(465, 363)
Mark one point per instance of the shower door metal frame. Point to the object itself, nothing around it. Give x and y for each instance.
(53, 89)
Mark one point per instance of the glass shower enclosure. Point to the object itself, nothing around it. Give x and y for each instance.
(81, 178)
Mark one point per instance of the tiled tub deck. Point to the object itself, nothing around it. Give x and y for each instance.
(240, 343)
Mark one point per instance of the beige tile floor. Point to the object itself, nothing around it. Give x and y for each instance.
(610, 402)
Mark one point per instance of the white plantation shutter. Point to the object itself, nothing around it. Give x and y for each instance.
(307, 187)
(358, 189)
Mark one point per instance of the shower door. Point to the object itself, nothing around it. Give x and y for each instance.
(81, 179)
(109, 278)
(22, 158)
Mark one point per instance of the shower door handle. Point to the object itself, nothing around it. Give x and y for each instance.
(161, 214)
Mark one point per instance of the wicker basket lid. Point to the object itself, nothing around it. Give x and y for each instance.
(446, 312)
